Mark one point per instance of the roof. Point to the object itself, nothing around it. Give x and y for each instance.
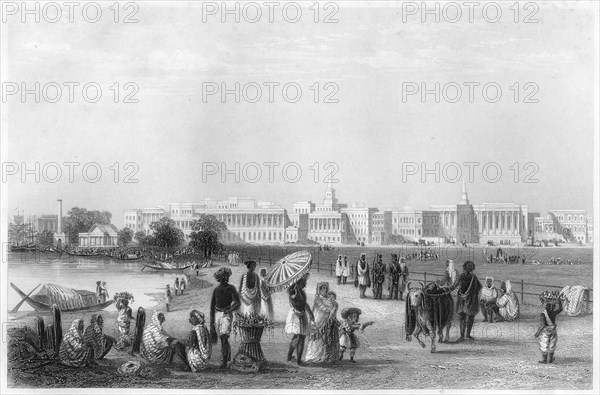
(101, 228)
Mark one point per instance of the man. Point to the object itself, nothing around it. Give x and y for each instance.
(363, 277)
(168, 298)
(250, 291)
(403, 277)
(296, 322)
(552, 304)
(378, 277)
(487, 300)
(394, 274)
(467, 305)
(225, 300)
(507, 305)
(339, 269)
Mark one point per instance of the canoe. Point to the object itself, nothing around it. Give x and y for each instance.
(67, 299)
(163, 268)
(125, 259)
(76, 254)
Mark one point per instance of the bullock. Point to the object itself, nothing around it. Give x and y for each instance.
(429, 309)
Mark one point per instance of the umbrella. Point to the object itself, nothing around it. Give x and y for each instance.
(288, 270)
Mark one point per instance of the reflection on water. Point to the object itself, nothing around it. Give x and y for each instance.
(28, 270)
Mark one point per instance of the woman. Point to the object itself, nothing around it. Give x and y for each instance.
(249, 291)
(94, 335)
(158, 347)
(199, 346)
(324, 337)
(74, 351)
(124, 323)
(339, 269)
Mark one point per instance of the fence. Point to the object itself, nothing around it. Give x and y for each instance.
(323, 262)
(519, 287)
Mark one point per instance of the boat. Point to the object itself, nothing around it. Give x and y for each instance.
(129, 258)
(66, 299)
(165, 267)
(81, 254)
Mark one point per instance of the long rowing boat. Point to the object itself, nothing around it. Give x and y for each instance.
(66, 299)
(165, 267)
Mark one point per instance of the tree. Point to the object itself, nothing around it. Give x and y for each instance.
(45, 238)
(80, 220)
(206, 231)
(166, 233)
(124, 236)
(140, 237)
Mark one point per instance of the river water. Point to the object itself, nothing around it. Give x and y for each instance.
(28, 270)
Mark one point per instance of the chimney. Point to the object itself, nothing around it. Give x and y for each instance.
(59, 227)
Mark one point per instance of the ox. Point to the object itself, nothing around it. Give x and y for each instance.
(429, 309)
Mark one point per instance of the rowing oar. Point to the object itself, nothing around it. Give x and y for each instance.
(24, 299)
(144, 267)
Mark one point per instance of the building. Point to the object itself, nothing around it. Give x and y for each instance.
(407, 223)
(382, 227)
(247, 219)
(99, 236)
(322, 223)
(480, 223)
(590, 230)
(571, 226)
(140, 219)
(47, 222)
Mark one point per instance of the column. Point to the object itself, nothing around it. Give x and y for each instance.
(493, 222)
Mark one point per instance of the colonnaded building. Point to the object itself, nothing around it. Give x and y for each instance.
(330, 222)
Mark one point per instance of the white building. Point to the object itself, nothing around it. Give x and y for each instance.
(247, 219)
(140, 219)
(556, 222)
(99, 236)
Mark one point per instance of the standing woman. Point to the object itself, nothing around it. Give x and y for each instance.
(124, 323)
(250, 291)
(199, 347)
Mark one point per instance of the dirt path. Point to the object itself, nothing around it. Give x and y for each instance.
(503, 356)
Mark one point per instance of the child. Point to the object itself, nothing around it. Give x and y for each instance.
(552, 303)
(168, 297)
(348, 338)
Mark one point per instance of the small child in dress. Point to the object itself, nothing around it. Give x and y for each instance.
(350, 324)
(552, 303)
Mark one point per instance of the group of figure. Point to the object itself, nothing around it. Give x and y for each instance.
(504, 303)
(396, 273)
(179, 287)
(328, 337)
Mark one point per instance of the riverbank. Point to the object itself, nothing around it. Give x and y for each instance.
(504, 355)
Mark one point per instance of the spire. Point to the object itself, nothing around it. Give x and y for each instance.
(464, 199)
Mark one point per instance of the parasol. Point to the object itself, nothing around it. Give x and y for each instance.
(288, 270)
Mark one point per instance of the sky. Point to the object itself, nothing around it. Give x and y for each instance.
(178, 140)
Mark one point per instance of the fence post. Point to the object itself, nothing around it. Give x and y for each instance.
(522, 290)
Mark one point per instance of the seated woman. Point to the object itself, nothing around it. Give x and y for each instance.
(507, 305)
(158, 347)
(94, 335)
(74, 351)
(199, 346)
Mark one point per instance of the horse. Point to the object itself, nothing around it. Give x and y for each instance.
(429, 309)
